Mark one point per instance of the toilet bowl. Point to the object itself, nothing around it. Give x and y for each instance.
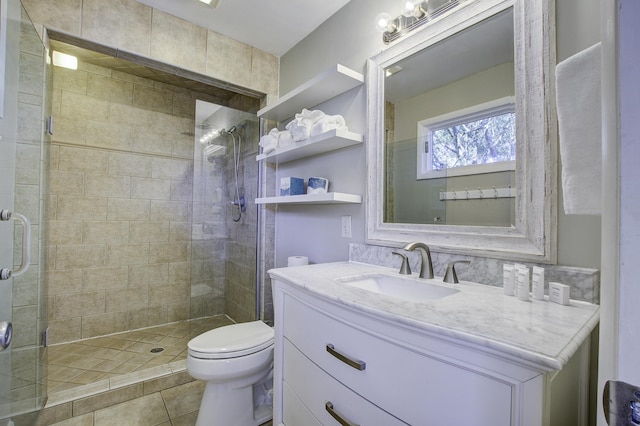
(236, 362)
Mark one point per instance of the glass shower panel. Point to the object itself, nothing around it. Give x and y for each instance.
(224, 236)
(24, 156)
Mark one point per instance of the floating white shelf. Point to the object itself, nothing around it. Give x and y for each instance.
(328, 198)
(326, 85)
(325, 142)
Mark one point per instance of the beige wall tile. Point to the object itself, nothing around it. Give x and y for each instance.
(29, 122)
(70, 80)
(127, 254)
(169, 37)
(178, 311)
(151, 139)
(169, 210)
(125, 24)
(154, 274)
(180, 231)
(83, 160)
(130, 114)
(82, 106)
(153, 189)
(265, 68)
(80, 256)
(184, 105)
(228, 59)
(166, 168)
(129, 164)
(126, 209)
(107, 186)
(172, 293)
(110, 89)
(106, 135)
(80, 304)
(65, 232)
(107, 399)
(105, 232)
(167, 252)
(70, 208)
(127, 299)
(147, 317)
(72, 130)
(27, 156)
(83, 420)
(148, 231)
(66, 183)
(63, 15)
(99, 325)
(65, 281)
(153, 99)
(64, 330)
(94, 69)
(181, 190)
(131, 78)
(105, 278)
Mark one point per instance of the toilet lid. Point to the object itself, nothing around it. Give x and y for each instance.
(232, 341)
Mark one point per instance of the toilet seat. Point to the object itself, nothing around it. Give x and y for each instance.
(232, 341)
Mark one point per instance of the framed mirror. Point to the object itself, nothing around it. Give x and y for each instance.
(461, 150)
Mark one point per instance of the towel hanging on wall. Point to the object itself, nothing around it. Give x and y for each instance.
(578, 98)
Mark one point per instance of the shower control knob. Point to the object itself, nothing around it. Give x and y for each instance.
(6, 332)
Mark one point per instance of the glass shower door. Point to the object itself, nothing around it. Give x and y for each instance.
(24, 152)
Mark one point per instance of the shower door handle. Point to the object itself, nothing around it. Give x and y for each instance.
(6, 273)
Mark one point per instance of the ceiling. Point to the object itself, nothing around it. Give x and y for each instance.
(274, 26)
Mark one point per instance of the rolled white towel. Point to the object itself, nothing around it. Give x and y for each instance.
(300, 126)
(285, 139)
(269, 142)
(326, 123)
(299, 130)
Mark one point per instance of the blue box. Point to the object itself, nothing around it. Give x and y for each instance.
(291, 186)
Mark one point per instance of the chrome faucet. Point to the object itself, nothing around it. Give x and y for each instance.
(426, 267)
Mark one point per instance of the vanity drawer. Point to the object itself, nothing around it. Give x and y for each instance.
(414, 387)
(316, 388)
(294, 412)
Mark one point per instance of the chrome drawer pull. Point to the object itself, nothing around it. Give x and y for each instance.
(357, 364)
(340, 419)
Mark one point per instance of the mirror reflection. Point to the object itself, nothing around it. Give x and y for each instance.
(449, 130)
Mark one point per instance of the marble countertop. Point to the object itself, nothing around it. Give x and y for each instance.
(541, 332)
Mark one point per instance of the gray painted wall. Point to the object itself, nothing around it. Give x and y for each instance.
(349, 38)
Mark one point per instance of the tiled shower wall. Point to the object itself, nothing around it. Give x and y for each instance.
(121, 176)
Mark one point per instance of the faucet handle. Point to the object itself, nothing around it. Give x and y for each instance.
(450, 276)
(405, 269)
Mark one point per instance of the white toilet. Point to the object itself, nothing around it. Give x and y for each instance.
(236, 361)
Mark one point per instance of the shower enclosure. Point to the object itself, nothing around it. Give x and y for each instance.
(224, 237)
(24, 154)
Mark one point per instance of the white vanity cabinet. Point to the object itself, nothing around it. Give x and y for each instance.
(371, 371)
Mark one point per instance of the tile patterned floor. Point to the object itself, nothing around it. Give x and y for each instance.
(80, 363)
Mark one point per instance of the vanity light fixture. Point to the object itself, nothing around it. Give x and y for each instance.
(414, 14)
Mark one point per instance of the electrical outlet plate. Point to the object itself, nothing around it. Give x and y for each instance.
(346, 227)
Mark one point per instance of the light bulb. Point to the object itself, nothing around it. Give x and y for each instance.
(385, 23)
(412, 8)
(408, 6)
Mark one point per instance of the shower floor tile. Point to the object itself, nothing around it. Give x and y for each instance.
(87, 361)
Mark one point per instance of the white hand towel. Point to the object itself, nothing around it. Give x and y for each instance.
(326, 123)
(580, 129)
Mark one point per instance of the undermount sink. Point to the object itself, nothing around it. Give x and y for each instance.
(405, 288)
